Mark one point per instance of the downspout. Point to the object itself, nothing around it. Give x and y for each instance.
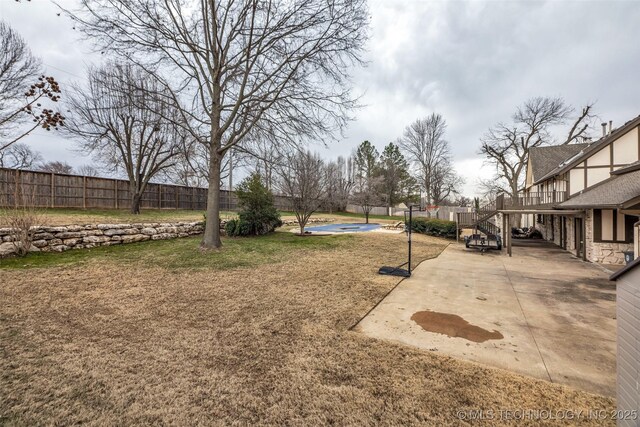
(636, 239)
(584, 236)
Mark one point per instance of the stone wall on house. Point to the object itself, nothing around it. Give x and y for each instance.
(600, 252)
(544, 228)
(63, 238)
(553, 235)
(550, 228)
(604, 252)
(571, 235)
(608, 253)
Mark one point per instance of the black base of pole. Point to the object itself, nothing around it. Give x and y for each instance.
(397, 271)
(394, 271)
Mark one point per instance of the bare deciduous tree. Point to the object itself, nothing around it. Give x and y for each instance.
(18, 66)
(260, 67)
(262, 157)
(22, 92)
(191, 166)
(88, 170)
(445, 183)
(340, 181)
(367, 195)
(19, 156)
(423, 142)
(581, 125)
(506, 146)
(56, 167)
(21, 214)
(121, 120)
(302, 179)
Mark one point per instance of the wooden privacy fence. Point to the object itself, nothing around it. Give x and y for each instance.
(52, 190)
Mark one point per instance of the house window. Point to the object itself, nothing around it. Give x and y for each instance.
(610, 225)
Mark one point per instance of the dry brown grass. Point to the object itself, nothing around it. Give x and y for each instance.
(116, 344)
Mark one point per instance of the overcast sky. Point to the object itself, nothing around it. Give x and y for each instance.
(472, 62)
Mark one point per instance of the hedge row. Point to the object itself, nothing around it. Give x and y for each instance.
(434, 227)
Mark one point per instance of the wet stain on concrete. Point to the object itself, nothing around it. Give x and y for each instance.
(453, 326)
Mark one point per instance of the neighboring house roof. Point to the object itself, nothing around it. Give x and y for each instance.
(592, 148)
(634, 264)
(612, 192)
(546, 159)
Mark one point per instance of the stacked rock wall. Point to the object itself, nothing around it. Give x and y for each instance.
(67, 237)
(63, 238)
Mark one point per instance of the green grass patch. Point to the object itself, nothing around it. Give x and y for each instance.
(185, 253)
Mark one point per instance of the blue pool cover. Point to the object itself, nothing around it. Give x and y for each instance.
(343, 228)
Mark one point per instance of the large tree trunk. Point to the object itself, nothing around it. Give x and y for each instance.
(517, 219)
(211, 238)
(136, 198)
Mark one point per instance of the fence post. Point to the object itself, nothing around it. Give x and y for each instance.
(178, 196)
(53, 190)
(159, 196)
(115, 192)
(84, 192)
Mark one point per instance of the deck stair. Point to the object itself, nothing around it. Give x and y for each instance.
(480, 220)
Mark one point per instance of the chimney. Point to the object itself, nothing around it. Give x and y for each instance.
(604, 130)
(610, 126)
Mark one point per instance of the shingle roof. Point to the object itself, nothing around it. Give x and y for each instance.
(545, 159)
(629, 168)
(634, 264)
(593, 147)
(613, 192)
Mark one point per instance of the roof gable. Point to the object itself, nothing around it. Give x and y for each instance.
(612, 192)
(544, 160)
(591, 149)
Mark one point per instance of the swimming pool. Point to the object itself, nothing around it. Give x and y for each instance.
(343, 228)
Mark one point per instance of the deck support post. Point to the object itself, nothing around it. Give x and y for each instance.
(584, 236)
(504, 230)
(508, 234)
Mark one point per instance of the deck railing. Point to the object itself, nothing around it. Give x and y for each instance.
(536, 199)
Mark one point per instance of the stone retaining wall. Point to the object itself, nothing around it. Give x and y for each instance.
(63, 238)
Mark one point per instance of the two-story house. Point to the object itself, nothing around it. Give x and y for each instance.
(586, 197)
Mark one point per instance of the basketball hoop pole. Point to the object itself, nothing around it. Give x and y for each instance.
(397, 271)
(409, 237)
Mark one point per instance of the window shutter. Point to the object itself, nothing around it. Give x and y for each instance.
(597, 225)
(628, 228)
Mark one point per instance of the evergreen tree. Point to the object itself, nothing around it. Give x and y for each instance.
(366, 159)
(397, 184)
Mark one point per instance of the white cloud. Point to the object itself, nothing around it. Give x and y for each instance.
(473, 62)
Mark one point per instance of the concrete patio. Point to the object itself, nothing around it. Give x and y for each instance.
(541, 313)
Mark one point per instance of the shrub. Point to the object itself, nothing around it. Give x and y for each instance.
(21, 215)
(434, 227)
(258, 214)
(230, 227)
